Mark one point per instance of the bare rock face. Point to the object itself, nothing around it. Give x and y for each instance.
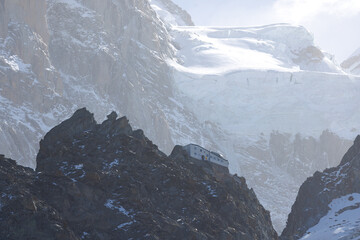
(23, 12)
(298, 155)
(107, 181)
(57, 56)
(28, 83)
(116, 48)
(316, 193)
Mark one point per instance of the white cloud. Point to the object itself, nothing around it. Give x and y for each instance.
(305, 10)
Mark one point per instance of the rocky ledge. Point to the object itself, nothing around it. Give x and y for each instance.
(106, 181)
(318, 191)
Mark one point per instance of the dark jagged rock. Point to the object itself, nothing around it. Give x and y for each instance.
(316, 193)
(23, 213)
(106, 181)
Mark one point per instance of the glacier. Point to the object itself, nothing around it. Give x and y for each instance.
(268, 97)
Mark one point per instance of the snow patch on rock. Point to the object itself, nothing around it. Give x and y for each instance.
(341, 222)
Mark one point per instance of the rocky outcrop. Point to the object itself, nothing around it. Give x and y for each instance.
(24, 214)
(108, 181)
(317, 192)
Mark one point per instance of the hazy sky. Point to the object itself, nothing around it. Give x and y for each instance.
(335, 24)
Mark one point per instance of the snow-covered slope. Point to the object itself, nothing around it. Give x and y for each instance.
(341, 222)
(352, 64)
(281, 47)
(249, 77)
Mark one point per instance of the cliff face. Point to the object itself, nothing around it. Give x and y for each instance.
(57, 56)
(107, 181)
(24, 12)
(111, 55)
(299, 154)
(28, 83)
(315, 195)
